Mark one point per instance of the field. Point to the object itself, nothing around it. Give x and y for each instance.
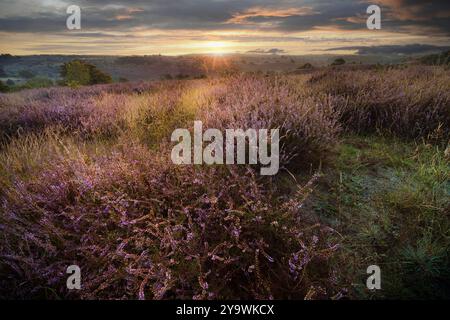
(86, 178)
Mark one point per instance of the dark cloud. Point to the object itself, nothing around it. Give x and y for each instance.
(394, 49)
(269, 51)
(207, 14)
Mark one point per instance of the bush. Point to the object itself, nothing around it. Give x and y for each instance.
(37, 83)
(140, 227)
(338, 62)
(306, 66)
(308, 124)
(400, 102)
(3, 87)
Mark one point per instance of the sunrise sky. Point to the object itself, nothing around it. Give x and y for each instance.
(172, 27)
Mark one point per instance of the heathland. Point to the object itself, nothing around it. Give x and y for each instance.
(86, 179)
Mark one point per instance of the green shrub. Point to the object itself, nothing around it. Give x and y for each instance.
(37, 83)
(338, 62)
(306, 66)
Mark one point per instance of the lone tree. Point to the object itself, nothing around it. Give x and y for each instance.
(80, 73)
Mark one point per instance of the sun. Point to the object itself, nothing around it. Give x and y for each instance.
(216, 47)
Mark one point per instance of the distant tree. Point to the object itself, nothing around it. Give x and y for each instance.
(27, 74)
(80, 73)
(338, 62)
(181, 76)
(122, 79)
(306, 66)
(98, 76)
(9, 82)
(7, 57)
(3, 87)
(75, 73)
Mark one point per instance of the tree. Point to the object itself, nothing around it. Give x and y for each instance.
(80, 73)
(75, 73)
(306, 66)
(338, 62)
(98, 76)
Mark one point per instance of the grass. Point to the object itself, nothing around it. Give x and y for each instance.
(388, 199)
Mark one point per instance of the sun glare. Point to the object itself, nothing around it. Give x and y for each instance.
(215, 47)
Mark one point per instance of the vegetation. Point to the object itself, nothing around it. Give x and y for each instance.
(38, 82)
(306, 66)
(338, 62)
(80, 73)
(27, 74)
(388, 198)
(436, 59)
(3, 87)
(86, 179)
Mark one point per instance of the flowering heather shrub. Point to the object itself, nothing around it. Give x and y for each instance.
(140, 227)
(413, 103)
(88, 111)
(308, 125)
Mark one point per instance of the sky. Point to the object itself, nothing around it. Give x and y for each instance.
(176, 27)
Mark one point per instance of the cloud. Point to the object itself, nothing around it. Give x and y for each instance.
(272, 15)
(269, 51)
(418, 10)
(262, 12)
(420, 17)
(394, 49)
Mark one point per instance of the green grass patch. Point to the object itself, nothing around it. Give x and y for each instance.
(389, 201)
